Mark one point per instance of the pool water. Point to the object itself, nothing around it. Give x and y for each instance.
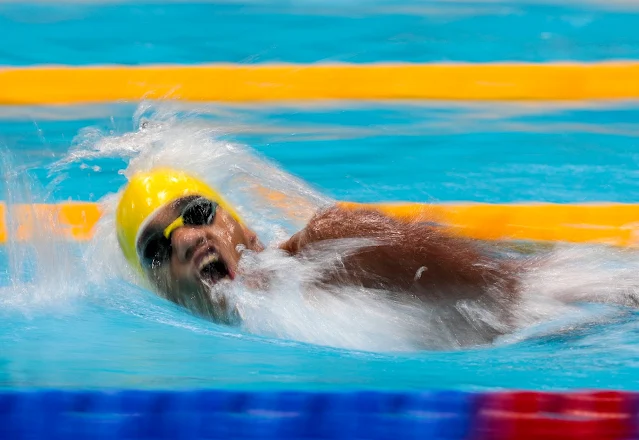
(70, 319)
(71, 315)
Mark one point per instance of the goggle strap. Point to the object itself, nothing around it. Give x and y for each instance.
(177, 223)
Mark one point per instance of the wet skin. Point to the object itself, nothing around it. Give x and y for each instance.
(411, 259)
(201, 257)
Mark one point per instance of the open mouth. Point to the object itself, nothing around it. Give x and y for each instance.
(212, 269)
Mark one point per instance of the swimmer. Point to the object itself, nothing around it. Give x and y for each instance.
(185, 238)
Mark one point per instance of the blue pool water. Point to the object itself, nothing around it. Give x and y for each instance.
(69, 325)
(353, 31)
(69, 315)
(491, 152)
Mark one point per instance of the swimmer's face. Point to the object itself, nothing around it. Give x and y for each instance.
(201, 253)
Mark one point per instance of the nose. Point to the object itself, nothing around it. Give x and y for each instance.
(185, 241)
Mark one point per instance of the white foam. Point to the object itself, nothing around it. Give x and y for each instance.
(290, 305)
(41, 271)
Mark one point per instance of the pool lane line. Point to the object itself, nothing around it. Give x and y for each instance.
(604, 223)
(277, 82)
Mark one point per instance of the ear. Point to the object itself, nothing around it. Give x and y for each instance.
(253, 243)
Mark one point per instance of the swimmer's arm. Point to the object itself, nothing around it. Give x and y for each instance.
(415, 257)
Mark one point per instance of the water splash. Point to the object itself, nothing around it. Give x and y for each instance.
(348, 318)
(41, 268)
(289, 307)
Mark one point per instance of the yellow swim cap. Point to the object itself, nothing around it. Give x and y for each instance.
(146, 193)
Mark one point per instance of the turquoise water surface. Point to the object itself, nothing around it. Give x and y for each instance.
(69, 318)
(62, 327)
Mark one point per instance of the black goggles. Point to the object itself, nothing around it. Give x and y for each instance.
(155, 250)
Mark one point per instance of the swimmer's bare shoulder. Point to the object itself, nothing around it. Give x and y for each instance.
(413, 257)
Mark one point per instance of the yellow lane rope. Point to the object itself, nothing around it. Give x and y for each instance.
(607, 223)
(276, 82)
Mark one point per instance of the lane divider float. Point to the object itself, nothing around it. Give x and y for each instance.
(45, 84)
(605, 223)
